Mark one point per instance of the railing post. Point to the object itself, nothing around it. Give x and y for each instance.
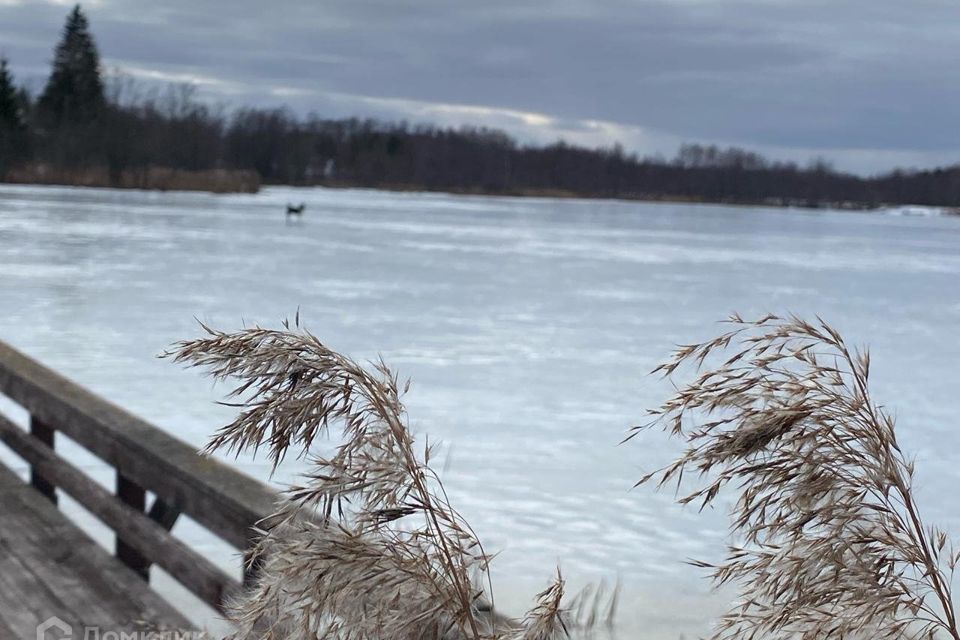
(133, 495)
(164, 514)
(45, 434)
(252, 562)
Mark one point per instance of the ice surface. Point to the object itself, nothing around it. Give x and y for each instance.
(527, 325)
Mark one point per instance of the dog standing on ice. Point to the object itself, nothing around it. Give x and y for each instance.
(296, 211)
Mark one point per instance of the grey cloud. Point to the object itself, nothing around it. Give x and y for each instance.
(788, 74)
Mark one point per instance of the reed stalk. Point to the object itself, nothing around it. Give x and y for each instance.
(827, 537)
(368, 545)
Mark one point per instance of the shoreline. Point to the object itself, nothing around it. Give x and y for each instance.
(225, 182)
(561, 194)
(152, 178)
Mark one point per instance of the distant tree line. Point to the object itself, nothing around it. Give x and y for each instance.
(81, 121)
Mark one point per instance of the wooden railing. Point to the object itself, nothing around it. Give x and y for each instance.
(145, 458)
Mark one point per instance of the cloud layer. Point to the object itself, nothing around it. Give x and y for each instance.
(869, 83)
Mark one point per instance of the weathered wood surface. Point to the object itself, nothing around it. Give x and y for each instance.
(49, 567)
(221, 499)
(144, 538)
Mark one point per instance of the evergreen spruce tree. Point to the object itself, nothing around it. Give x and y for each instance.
(74, 93)
(13, 130)
(11, 116)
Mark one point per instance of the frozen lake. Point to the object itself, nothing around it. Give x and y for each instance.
(528, 327)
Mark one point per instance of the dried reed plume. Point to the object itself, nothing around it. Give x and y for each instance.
(369, 545)
(830, 540)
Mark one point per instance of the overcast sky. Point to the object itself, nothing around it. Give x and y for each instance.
(868, 84)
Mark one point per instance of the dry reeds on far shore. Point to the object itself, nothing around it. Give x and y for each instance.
(829, 542)
(369, 545)
(152, 178)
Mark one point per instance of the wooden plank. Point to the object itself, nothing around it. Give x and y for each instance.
(45, 434)
(49, 567)
(135, 497)
(144, 535)
(218, 497)
(24, 599)
(6, 631)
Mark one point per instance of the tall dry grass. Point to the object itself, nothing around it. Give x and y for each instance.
(828, 538)
(368, 546)
(150, 178)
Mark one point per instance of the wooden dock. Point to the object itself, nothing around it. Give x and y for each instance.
(50, 569)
